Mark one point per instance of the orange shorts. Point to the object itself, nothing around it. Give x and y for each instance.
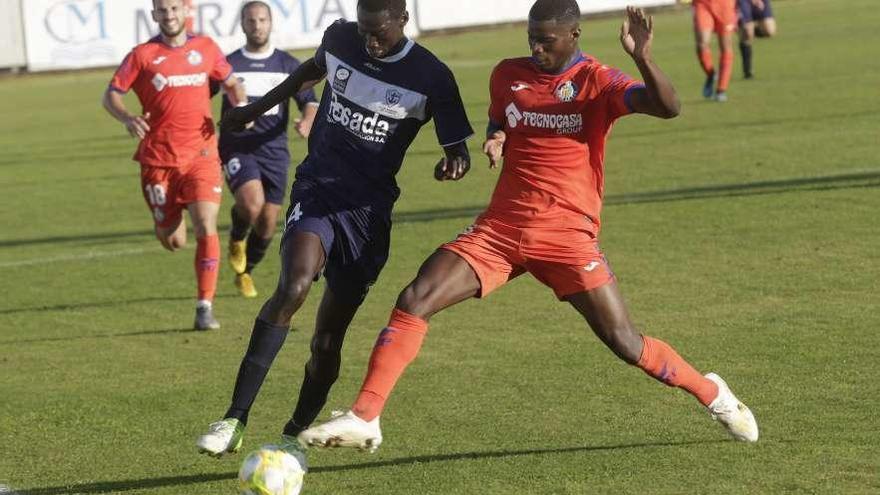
(715, 15)
(567, 260)
(168, 190)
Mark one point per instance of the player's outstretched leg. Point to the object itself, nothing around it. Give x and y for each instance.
(606, 313)
(302, 256)
(444, 279)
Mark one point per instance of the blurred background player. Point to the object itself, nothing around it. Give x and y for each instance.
(381, 89)
(755, 18)
(180, 166)
(257, 159)
(549, 116)
(719, 17)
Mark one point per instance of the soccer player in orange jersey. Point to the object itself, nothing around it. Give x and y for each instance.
(549, 117)
(180, 166)
(719, 17)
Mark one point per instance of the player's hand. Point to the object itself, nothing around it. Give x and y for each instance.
(759, 4)
(452, 169)
(138, 126)
(303, 127)
(637, 33)
(494, 147)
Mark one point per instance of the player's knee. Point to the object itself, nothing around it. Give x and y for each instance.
(326, 357)
(292, 291)
(626, 343)
(414, 299)
(253, 209)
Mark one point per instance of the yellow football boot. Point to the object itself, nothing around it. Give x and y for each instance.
(245, 285)
(238, 256)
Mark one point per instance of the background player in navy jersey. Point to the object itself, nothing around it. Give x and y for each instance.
(256, 160)
(381, 89)
(755, 18)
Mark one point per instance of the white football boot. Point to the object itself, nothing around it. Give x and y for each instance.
(733, 414)
(224, 436)
(344, 430)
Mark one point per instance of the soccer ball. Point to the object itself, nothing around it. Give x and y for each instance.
(270, 471)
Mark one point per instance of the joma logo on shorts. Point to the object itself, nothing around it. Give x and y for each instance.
(368, 127)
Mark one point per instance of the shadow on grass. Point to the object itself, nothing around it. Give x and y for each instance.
(180, 481)
(823, 183)
(102, 304)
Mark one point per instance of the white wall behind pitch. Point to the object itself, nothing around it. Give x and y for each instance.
(11, 35)
(445, 14)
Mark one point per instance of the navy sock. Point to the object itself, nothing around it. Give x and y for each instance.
(266, 341)
(313, 393)
(240, 226)
(746, 51)
(256, 250)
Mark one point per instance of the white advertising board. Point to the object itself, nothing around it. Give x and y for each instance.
(11, 35)
(445, 14)
(69, 34)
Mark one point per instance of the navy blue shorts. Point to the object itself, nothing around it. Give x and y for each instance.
(244, 167)
(355, 239)
(748, 12)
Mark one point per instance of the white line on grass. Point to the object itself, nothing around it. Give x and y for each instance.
(76, 257)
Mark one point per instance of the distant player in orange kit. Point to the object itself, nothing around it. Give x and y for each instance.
(180, 164)
(549, 117)
(719, 17)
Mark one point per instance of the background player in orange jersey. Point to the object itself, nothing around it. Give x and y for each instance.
(180, 166)
(718, 16)
(549, 117)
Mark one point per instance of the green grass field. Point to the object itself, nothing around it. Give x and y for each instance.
(745, 234)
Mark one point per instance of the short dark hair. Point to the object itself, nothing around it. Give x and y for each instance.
(555, 10)
(394, 7)
(256, 3)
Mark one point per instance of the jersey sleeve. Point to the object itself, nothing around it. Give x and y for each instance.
(496, 98)
(321, 52)
(616, 90)
(126, 74)
(447, 109)
(221, 69)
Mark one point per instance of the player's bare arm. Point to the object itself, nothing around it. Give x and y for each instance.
(304, 77)
(455, 164)
(494, 147)
(658, 98)
(235, 91)
(136, 125)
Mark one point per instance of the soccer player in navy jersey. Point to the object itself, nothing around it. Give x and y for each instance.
(381, 89)
(256, 160)
(755, 19)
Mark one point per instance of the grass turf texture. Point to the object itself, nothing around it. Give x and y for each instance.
(745, 234)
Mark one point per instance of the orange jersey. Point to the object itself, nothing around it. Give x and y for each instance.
(556, 126)
(173, 86)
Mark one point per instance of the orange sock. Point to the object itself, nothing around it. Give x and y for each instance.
(726, 70)
(397, 346)
(663, 363)
(207, 262)
(705, 56)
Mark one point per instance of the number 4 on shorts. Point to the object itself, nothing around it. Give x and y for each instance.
(295, 214)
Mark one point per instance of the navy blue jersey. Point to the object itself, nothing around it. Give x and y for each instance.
(370, 113)
(260, 72)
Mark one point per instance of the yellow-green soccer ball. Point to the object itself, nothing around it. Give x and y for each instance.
(270, 471)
